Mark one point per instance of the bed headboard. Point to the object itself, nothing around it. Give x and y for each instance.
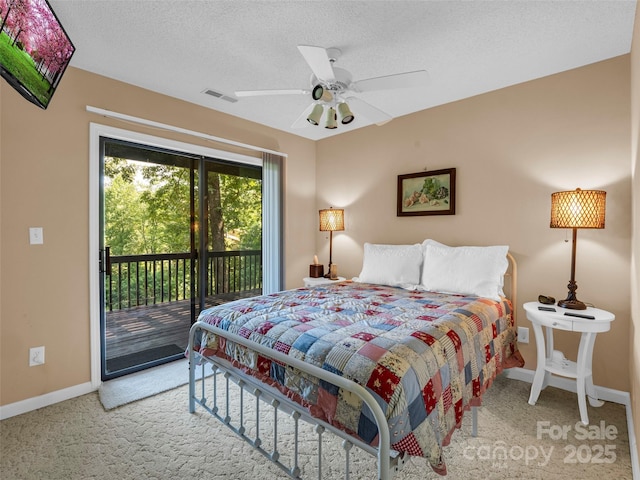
(511, 284)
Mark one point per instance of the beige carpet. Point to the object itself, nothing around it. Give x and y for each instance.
(157, 438)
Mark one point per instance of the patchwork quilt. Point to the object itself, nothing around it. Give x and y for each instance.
(425, 357)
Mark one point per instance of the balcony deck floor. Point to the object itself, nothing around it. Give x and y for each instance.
(137, 329)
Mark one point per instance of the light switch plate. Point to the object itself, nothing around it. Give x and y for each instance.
(35, 236)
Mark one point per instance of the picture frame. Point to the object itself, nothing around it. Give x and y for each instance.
(427, 193)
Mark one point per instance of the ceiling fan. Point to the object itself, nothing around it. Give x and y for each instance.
(333, 88)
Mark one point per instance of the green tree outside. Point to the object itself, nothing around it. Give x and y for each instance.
(147, 211)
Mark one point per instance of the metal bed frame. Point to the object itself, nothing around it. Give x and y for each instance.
(389, 461)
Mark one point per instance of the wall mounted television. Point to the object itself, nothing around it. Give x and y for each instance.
(35, 50)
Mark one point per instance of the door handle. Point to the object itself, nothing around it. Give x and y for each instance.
(105, 260)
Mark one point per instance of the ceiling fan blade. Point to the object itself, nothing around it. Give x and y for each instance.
(360, 107)
(301, 121)
(418, 78)
(259, 93)
(318, 61)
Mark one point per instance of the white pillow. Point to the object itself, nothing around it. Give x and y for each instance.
(396, 265)
(476, 271)
(430, 241)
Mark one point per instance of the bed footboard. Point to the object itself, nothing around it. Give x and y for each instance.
(388, 461)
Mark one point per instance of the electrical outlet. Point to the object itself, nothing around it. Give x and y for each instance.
(523, 335)
(36, 356)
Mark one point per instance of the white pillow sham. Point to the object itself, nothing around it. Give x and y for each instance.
(477, 271)
(395, 265)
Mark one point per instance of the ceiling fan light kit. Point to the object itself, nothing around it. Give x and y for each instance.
(331, 119)
(333, 87)
(317, 92)
(315, 115)
(346, 116)
(322, 94)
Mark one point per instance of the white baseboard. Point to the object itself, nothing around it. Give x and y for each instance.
(604, 393)
(24, 406)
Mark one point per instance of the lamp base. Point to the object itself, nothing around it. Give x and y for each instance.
(332, 274)
(572, 303)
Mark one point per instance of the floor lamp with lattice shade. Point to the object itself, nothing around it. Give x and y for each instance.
(331, 220)
(577, 209)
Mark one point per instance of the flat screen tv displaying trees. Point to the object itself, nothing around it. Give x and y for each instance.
(34, 49)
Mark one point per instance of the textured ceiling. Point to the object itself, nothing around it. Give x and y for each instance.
(181, 48)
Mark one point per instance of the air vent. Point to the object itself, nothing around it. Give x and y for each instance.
(220, 95)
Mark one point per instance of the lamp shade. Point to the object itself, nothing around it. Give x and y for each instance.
(331, 219)
(314, 116)
(578, 209)
(317, 92)
(331, 118)
(345, 113)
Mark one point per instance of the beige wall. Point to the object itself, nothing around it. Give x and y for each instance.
(512, 148)
(634, 328)
(44, 168)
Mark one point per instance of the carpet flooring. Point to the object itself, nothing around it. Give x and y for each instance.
(157, 438)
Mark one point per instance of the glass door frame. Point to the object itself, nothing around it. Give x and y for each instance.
(97, 131)
(181, 160)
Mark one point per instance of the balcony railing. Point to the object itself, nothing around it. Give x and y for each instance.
(150, 279)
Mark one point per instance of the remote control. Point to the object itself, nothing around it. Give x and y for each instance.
(547, 309)
(579, 315)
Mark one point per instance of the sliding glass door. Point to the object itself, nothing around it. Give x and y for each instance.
(155, 219)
